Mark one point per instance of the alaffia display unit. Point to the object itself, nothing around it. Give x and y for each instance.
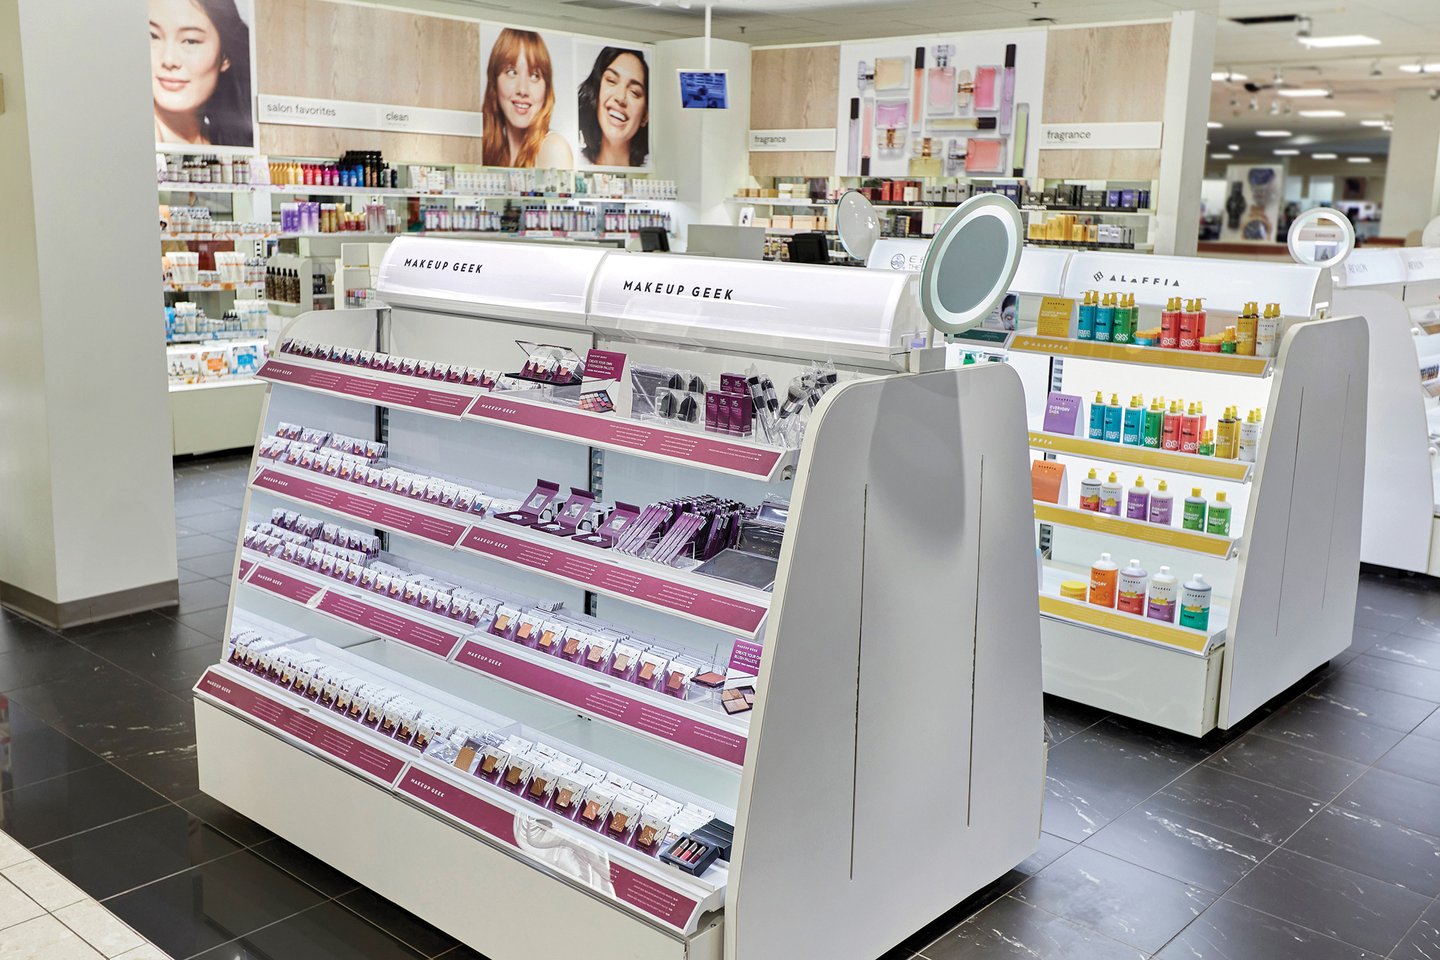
(633, 601)
(1198, 482)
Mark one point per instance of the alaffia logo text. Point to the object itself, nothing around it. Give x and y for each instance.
(660, 288)
(1100, 276)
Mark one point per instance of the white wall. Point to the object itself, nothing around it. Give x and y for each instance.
(706, 152)
(86, 497)
(1412, 176)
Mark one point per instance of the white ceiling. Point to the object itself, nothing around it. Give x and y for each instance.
(1409, 30)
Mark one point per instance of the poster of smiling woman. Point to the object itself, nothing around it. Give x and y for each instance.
(613, 104)
(529, 118)
(201, 73)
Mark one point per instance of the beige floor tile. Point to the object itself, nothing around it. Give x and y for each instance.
(148, 952)
(99, 928)
(43, 885)
(44, 938)
(11, 852)
(15, 907)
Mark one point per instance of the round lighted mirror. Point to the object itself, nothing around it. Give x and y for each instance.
(970, 263)
(1431, 236)
(1321, 237)
(858, 224)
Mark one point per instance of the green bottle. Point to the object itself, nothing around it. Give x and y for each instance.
(1194, 516)
(1154, 425)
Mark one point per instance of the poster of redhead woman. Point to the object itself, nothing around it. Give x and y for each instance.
(201, 74)
(529, 119)
(612, 98)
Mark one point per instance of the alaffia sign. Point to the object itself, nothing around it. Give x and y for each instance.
(818, 139)
(1101, 136)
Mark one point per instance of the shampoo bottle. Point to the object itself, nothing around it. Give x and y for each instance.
(1164, 589)
(1170, 324)
(1170, 427)
(1248, 447)
(1097, 418)
(1103, 576)
(1105, 319)
(1114, 419)
(1089, 304)
(1162, 505)
(1124, 325)
(1090, 492)
(1137, 501)
(1195, 603)
(1191, 328)
(1110, 494)
(1190, 427)
(1225, 435)
(1267, 332)
(1130, 589)
(1194, 516)
(1217, 519)
(1154, 426)
(1132, 430)
(1245, 329)
(1207, 444)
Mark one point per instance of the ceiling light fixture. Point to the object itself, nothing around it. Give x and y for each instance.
(1287, 152)
(1222, 156)
(1343, 40)
(1420, 68)
(1304, 92)
(1227, 76)
(1322, 113)
(1302, 29)
(1214, 125)
(1372, 123)
(1322, 156)
(1357, 159)
(1272, 133)
(1375, 70)
(1234, 146)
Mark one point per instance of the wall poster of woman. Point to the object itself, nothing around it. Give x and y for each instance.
(201, 57)
(613, 103)
(526, 114)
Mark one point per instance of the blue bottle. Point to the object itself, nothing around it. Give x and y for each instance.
(1133, 431)
(1105, 319)
(1097, 418)
(1088, 307)
(1114, 419)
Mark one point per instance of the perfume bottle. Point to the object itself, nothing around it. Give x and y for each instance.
(940, 86)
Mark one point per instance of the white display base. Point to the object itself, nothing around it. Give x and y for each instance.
(445, 876)
(207, 417)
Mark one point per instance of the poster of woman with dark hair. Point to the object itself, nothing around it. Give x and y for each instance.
(200, 72)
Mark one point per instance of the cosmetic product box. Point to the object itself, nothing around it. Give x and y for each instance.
(535, 505)
(694, 852)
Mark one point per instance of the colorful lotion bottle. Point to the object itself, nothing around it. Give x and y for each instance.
(1191, 426)
(1089, 305)
(1192, 325)
(1267, 332)
(1090, 493)
(1194, 516)
(1154, 425)
(1103, 576)
(1195, 603)
(1217, 520)
(1137, 501)
(1132, 430)
(1164, 590)
(1207, 444)
(1130, 589)
(1226, 435)
(1105, 319)
(1110, 493)
(1170, 427)
(1170, 324)
(1162, 505)
(1097, 417)
(1123, 328)
(1114, 419)
(1248, 447)
(1245, 329)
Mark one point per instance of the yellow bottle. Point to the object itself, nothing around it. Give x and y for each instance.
(1245, 329)
(1226, 435)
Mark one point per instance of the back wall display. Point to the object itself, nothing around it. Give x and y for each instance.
(958, 105)
(1252, 203)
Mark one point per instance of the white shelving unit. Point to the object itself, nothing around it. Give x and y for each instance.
(895, 637)
(1284, 579)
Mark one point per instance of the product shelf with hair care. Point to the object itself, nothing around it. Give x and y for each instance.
(1256, 494)
(547, 696)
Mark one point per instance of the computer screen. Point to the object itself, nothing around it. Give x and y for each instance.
(731, 243)
(654, 240)
(704, 90)
(809, 248)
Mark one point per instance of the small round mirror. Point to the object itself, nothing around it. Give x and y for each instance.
(970, 263)
(858, 224)
(1431, 236)
(1321, 237)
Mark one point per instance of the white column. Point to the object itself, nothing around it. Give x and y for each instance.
(706, 152)
(87, 526)
(1182, 153)
(1412, 174)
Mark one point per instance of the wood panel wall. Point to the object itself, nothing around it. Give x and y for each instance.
(795, 88)
(341, 51)
(1105, 75)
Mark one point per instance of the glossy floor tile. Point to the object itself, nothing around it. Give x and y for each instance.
(1309, 832)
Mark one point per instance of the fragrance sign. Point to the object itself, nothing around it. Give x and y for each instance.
(1101, 136)
(820, 139)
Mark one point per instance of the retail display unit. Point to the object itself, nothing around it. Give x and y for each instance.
(894, 637)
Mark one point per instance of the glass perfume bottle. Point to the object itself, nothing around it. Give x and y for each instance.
(940, 85)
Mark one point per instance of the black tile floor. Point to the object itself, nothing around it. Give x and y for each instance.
(1311, 834)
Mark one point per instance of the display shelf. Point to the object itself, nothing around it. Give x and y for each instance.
(211, 287)
(223, 384)
(336, 190)
(1192, 541)
(1087, 245)
(1169, 636)
(436, 398)
(385, 511)
(1096, 211)
(779, 202)
(1146, 356)
(1215, 468)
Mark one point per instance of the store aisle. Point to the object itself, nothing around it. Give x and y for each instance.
(1314, 833)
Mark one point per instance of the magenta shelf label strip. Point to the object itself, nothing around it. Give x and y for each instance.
(283, 585)
(432, 640)
(363, 508)
(446, 403)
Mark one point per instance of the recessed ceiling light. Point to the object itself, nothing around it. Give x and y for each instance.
(1287, 153)
(1222, 156)
(1214, 124)
(1357, 159)
(1272, 133)
(1322, 156)
(1345, 40)
(1303, 92)
(1225, 76)
(1322, 113)
(1234, 146)
(1372, 123)
(1420, 68)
